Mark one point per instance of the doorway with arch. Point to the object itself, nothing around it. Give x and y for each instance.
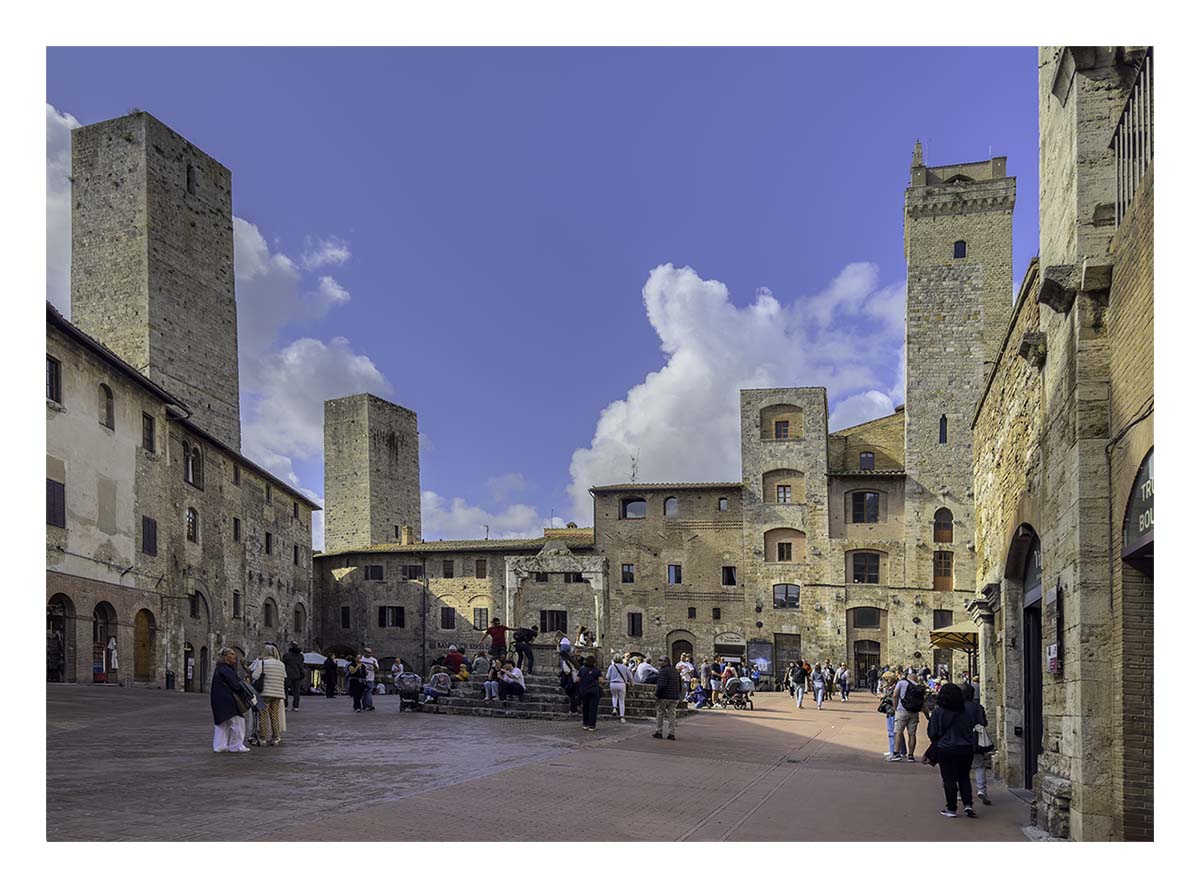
(105, 660)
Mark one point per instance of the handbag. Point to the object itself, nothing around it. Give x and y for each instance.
(931, 755)
(983, 741)
(882, 707)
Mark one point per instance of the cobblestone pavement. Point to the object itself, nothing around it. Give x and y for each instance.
(128, 764)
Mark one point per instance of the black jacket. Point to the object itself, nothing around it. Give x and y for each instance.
(668, 685)
(330, 669)
(293, 662)
(589, 680)
(951, 729)
(226, 691)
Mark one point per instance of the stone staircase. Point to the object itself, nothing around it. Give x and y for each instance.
(544, 699)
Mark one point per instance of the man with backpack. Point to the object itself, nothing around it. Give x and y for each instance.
(908, 698)
(523, 642)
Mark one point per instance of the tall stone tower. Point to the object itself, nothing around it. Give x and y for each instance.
(152, 261)
(372, 473)
(958, 245)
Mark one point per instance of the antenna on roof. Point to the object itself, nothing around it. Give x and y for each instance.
(633, 467)
(486, 531)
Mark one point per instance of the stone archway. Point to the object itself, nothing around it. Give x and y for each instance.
(680, 641)
(60, 639)
(145, 643)
(105, 656)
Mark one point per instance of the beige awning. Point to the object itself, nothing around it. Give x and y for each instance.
(962, 636)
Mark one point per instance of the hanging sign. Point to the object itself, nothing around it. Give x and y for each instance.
(1139, 513)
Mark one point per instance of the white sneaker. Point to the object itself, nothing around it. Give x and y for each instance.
(241, 749)
(622, 719)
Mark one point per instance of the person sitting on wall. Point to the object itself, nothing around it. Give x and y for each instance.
(453, 660)
(481, 663)
(439, 684)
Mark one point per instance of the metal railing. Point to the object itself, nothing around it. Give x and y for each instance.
(1133, 140)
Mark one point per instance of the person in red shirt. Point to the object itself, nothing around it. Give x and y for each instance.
(453, 660)
(496, 634)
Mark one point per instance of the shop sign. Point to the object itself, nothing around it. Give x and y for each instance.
(730, 638)
(1053, 661)
(1139, 513)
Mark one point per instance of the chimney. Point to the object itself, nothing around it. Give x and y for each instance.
(406, 535)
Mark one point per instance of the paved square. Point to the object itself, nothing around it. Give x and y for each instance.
(138, 765)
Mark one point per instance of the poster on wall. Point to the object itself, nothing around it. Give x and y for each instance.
(762, 655)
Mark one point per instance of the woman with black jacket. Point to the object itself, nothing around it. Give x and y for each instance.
(952, 732)
(589, 692)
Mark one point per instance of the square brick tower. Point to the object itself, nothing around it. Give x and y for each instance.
(152, 262)
(372, 473)
(958, 245)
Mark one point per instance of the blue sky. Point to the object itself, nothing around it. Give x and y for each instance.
(503, 240)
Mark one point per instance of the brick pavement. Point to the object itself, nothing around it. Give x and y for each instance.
(137, 764)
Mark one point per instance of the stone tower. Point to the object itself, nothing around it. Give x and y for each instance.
(958, 246)
(372, 473)
(152, 262)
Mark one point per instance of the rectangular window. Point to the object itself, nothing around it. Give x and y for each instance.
(267, 542)
(781, 428)
(691, 613)
(553, 621)
(626, 573)
(866, 460)
(943, 571)
(237, 475)
(194, 606)
(783, 493)
(345, 617)
(296, 510)
(391, 617)
(783, 552)
(373, 572)
(635, 625)
(54, 379)
(481, 568)
(447, 618)
(723, 504)
(865, 617)
(716, 613)
(237, 530)
(541, 577)
(411, 572)
(573, 577)
(295, 554)
(786, 595)
(942, 618)
(448, 569)
(395, 531)
(481, 618)
(728, 575)
(674, 574)
(148, 436)
(865, 567)
(268, 489)
(864, 507)
(149, 536)
(56, 503)
(237, 603)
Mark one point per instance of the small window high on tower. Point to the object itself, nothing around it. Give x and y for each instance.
(942, 429)
(960, 249)
(191, 179)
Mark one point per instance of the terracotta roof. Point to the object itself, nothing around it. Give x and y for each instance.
(576, 538)
(848, 473)
(673, 485)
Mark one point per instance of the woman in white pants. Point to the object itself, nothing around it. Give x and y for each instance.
(619, 678)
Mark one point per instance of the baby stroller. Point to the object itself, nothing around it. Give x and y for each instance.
(408, 684)
(738, 691)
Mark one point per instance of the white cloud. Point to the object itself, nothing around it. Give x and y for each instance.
(860, 408)
(455, 519)
(58, 208)
(325, 251)
(682, 421)
(502, 486)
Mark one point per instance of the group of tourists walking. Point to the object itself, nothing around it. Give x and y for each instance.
(822, 681)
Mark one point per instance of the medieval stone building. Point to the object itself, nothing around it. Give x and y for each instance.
(1064, 465)
(849, 545)
(163, 542)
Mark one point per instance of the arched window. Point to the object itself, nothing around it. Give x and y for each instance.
(270, 613)
(865, 618)
(866, 460)
(943, 526)
(299, 619)
(105, 397)
(237, 603)
(671, 507)
(960, 249)
(193, 464)
(193, 525)
(786, 595)
(942, 429)
(633, 508)
(784, 544)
